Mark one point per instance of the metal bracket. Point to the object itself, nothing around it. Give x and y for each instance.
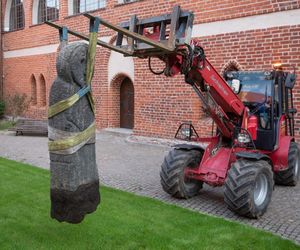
(63, 34)
(94, 24)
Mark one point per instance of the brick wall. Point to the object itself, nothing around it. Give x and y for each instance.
(19, 75)
(205, 11)
(161, 103)
(253, 50)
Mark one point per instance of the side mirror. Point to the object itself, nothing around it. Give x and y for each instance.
(290, 81)
(236, 85)
(293, 111)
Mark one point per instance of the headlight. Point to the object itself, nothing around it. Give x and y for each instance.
(243, 138)
(186, 132)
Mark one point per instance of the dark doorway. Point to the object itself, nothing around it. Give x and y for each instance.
(127, 104)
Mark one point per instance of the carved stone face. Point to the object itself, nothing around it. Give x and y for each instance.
(78, 67)
(71, 63)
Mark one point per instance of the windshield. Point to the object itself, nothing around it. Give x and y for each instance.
(255, 92)
(255, 88)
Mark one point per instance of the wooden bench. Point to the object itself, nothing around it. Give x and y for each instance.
(31, 126)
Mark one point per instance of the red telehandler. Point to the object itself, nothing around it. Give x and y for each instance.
(253, 146)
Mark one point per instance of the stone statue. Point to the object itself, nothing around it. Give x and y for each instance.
(74, 174)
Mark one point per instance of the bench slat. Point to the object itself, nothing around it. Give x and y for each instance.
(31, 126)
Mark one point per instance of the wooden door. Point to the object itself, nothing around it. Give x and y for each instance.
(127, 104)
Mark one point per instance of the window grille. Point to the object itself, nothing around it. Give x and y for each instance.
(48, 10)
(16, 16)
(88, 5)
(126, 1)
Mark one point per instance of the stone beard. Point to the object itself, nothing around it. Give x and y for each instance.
(74, 175)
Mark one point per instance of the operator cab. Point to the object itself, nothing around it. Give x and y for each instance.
(268, 95)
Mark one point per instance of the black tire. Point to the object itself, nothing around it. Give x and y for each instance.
(290, 176)
(172, 176)
(242, 193)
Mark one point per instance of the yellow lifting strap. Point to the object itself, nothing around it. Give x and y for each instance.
(91, 65)
(78, 138)
(72, 141)
(67, 103)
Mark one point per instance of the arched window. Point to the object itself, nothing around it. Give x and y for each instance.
(33, 91)
(16, 15)
(42, 91)
(231, 65)
(48, 10)
(87, 5)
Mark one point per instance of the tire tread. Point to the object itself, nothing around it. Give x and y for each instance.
(239, 186)
(172, 170)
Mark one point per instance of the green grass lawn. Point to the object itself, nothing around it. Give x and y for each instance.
(5, 124)
(123, 221)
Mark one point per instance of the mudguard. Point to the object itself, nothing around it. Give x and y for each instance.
(254, 156)
(189, 147)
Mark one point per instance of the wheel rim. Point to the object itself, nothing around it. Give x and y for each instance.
(261, 189)
(297, 167)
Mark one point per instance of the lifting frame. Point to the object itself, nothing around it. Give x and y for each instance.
(174, 30)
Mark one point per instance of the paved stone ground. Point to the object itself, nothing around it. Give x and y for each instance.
(133, 164)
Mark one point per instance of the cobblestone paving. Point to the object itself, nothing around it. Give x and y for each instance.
(132, 164)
